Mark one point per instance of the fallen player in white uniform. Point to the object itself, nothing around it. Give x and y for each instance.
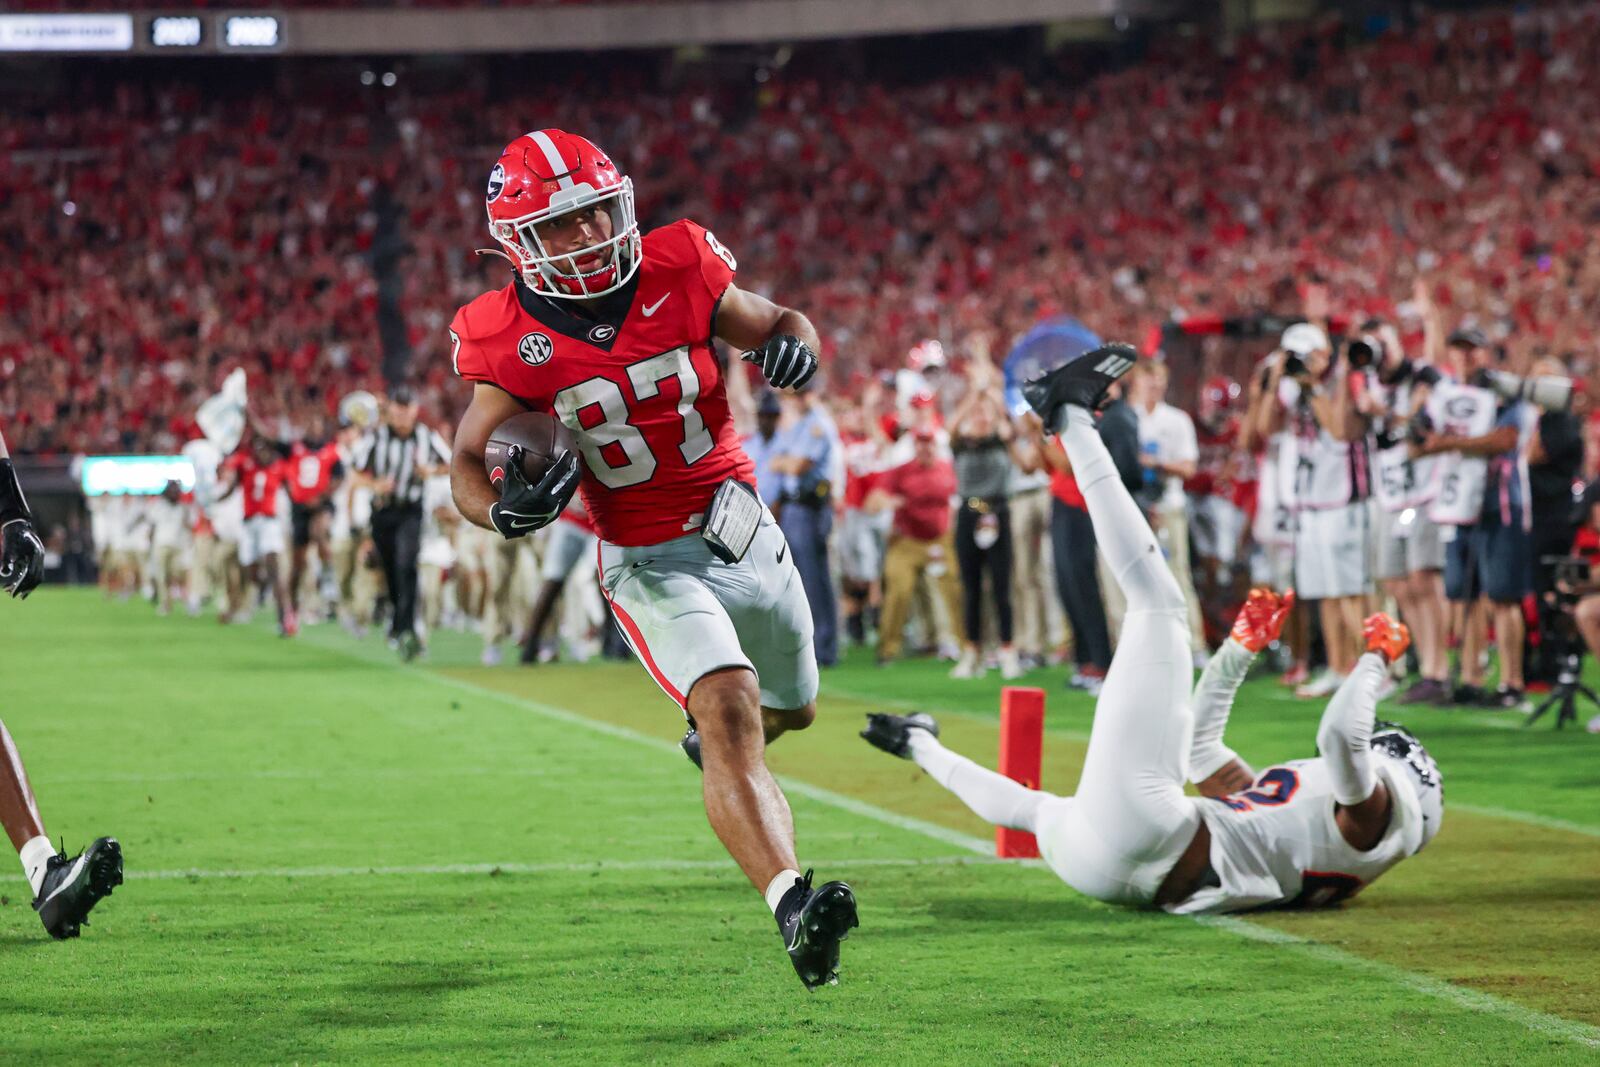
(1307, 833)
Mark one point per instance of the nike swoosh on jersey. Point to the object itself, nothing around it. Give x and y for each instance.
(651, 309)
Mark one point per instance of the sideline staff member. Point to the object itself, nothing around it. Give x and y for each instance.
(394, 462)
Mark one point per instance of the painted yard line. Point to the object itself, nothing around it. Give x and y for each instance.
(1461, 996)
(1470, 999)
(598, 867)
(826, 796)
(293, 775)
(1547, 821)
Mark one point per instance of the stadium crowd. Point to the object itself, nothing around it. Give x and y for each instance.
(168, 230)
(1433, 190)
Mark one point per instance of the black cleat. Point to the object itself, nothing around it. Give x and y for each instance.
(691, 745)
(1082, 383)
(813, 922)
(73, 886)
(892, 733)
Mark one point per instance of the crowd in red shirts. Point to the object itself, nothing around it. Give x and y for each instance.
(160, 233)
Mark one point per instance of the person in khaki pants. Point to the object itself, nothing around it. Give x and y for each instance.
(922, 541)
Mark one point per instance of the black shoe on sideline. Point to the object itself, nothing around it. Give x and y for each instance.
(72, 887)
(1505, 699)
(813, 922)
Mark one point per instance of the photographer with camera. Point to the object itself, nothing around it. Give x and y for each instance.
(1483, 491)
(1409, 551)
(1272, 529)
(1555, 465)
(1320, 403)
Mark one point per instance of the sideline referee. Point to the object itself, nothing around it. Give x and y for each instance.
(394, 461)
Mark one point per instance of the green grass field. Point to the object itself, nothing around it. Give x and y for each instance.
(333, 858)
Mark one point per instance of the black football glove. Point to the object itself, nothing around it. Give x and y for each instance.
(21, 558)
(785, 360)
(524, 508)
(21, 551)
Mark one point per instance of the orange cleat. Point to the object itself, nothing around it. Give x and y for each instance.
(1386, 637)
(1261, 618)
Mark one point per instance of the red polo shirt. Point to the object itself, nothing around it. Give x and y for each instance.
(926, 491)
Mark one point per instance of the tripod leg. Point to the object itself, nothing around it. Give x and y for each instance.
(1549, 702)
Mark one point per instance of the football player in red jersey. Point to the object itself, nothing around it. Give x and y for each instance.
(64, 889)
(612, 332)
(259, 470)
(315, 474)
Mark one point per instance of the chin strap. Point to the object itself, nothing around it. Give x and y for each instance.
(494, 252)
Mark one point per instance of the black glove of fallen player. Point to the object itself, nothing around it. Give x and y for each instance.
(785, 360)
(524, 507)
(21, 551)
(21, 558)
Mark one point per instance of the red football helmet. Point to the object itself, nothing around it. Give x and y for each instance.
(548, 173)
(1218, 395)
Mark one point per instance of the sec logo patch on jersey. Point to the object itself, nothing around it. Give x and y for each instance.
(535, 348)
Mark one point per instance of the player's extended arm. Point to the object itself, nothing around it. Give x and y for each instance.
(469, 482)
(779, 340)
(21, 551)
(1214, 768)
(1344, 737)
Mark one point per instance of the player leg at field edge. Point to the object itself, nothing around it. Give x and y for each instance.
(64, 889)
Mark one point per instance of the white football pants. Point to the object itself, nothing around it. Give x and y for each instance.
(1120, 834)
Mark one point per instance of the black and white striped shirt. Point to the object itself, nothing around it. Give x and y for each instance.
(385, 454)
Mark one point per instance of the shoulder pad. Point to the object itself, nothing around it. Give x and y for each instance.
(673, 245)
(486, 315)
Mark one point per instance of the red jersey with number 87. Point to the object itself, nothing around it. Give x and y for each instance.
(633, 375)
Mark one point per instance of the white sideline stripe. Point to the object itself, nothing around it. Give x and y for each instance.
(1549, 822)
(595, 867)
(1460, 996)
(296, 775)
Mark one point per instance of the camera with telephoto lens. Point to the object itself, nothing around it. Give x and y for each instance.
(1548, 392)
(1364, 351)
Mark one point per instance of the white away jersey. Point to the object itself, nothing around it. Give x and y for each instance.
(1276, 844)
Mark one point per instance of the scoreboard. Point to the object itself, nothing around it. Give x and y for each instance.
(110, 33)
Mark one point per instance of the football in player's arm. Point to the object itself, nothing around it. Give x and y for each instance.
(780, 341)
(64, 888)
